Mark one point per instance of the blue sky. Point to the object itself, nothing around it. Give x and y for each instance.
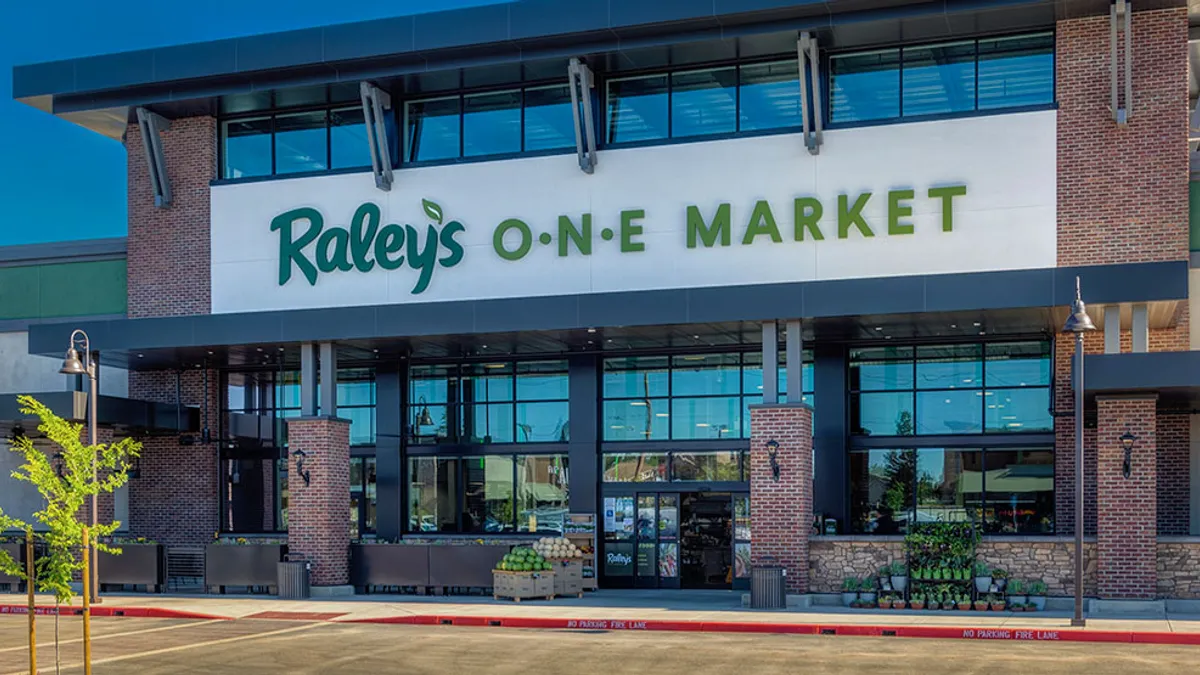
(59, 181)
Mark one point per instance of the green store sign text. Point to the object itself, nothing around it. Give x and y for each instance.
(308, 245)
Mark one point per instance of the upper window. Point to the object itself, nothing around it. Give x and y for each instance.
(501, 402)
(277, 394)
(294, 142)
(488, 124)
(703, 102)
(690, 396)
(950, 389)
(939, 79)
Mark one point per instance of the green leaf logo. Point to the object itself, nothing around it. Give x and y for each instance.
(432, 210)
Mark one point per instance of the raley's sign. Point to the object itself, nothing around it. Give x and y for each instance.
(311, 246)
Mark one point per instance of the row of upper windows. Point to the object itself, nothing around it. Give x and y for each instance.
(960, 77)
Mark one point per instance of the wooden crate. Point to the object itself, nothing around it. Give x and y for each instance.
(568, 576)
(522, 585)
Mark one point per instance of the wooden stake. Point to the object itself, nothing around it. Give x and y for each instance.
(29, 586)
(87, 606)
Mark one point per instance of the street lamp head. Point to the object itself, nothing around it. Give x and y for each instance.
(1078, 321)
(72, 365)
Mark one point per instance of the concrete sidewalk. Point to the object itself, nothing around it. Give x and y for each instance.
(708, 607)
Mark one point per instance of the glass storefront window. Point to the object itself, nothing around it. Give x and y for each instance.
(769, 96)
(246, 148)
(489, 495)
(432, 129)
(881, 491)
(637, 420)
(348, 145)
(1006, 491)
(549, 123)
(1016, 71)
(432, 494)
(544, 422)
(709, 417)
(704, 102)
(491, 123)
(489, 423)
(638, 376)
(939, 79)
(638, 109)
(1019, 497)
(968, 388)
(864, 86)
(542, 493)
(635, 467)
(706, 374)
(301, 142)
(705, 466)
(943, 479)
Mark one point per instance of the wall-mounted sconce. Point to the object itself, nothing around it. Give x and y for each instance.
(1127, 440)
(773, 458)
(300, 456)
(57, 461)
(135, 468)
(16, 434)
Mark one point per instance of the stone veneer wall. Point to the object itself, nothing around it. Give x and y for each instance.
(1179, 567)
(831, 559)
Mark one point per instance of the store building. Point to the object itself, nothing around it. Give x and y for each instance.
(749, 280)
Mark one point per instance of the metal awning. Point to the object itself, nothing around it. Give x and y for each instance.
(111, 411)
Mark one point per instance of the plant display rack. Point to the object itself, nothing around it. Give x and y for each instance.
(580, 528)
(940, 560)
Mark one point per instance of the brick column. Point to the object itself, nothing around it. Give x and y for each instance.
(1127, 508)
(319, 510)
(781, 510)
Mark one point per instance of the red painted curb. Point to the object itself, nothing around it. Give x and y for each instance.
(108, 611)
(936, 632)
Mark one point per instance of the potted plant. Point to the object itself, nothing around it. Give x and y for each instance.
(997, 603)
(849, 591)
(898, 576)
(917, 601)
(983, 576)
(1000, 579)
(1037, 594)
(981, 605)
(866, 591)
(948, 602)
(1016, 592)
(140, 563)
(898, 602)
(884, 576)
(964, 602)
(1030, 607)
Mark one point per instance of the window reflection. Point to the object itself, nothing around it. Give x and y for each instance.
(881, 499)
(939, 79)
(549, 123)
(488, 495)
(703, 102)
(943, 479)
(637, 109)
(300, 142)
(432, 494)
(1020, 492)
(348, 139)
(635, 467)
(710, 417)
(864, 86)
(769, 96)
(432, 129)
(542, 493)
(705, 466)
(491, 123)
(246, 149)
(1016, 71)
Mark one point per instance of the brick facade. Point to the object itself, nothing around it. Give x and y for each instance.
(781, 512)
(169, 266)
(174, 501)
(318, 528)
(1127, 526)
(1174, 473)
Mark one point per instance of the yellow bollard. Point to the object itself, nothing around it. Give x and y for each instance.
(87, 607)
(29, 584)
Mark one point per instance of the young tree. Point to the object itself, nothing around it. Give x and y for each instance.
(64, 496)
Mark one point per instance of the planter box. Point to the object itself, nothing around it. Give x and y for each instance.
(523, 585)
(466, 566)
(17, 551)
(248, 565)
(138, 565)
(389, 565)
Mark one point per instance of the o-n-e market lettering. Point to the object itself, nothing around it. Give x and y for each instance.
(306, 244)
(716, 228)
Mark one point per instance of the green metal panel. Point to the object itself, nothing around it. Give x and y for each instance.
(62, 290)
(1194, 214)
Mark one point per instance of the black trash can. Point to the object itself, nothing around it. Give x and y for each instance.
(767, 589)
(293, 580)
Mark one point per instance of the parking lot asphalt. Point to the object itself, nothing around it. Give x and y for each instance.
(157, 646)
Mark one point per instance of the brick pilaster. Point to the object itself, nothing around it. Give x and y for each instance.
(1127, 508)
(318, 511)
(781, 509)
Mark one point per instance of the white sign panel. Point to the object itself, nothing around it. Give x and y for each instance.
(966, 195)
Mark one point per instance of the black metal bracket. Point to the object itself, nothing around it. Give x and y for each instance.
(772, 457)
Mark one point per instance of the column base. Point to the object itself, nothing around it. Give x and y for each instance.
(1140, 608)
(331, 591)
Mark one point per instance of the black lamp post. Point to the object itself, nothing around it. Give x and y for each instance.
(73, 365)
(1078, 323)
